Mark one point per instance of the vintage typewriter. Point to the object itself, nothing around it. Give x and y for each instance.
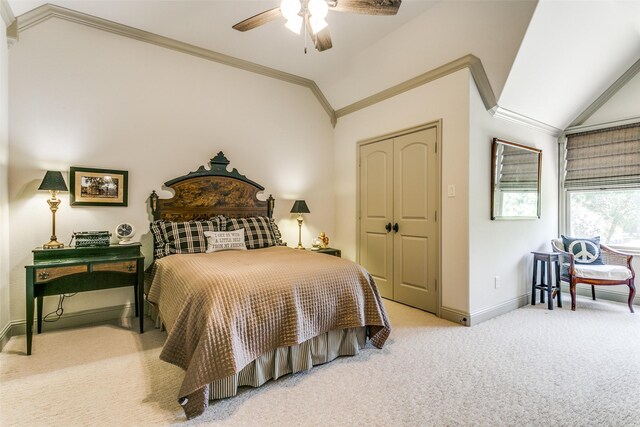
(90, 238)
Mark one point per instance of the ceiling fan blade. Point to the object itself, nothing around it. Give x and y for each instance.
(322, 40)
(259, 19)
(367, 7)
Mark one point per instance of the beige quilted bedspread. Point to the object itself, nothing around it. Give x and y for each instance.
(222, 310)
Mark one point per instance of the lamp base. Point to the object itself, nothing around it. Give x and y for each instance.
(300, 233)
(53, 244)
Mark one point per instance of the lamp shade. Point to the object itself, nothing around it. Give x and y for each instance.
(54, 181)
(300, 206)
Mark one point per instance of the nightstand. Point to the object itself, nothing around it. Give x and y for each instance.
(70, 270)
(328, 251)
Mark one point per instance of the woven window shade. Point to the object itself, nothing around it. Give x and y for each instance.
(518, 169)
(604, 158)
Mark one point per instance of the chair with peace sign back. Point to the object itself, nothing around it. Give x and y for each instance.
(586, 260)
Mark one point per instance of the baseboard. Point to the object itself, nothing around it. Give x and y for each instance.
(602, 292)
(455, 316)
(75, 319)
(497, 310)
(5, 335)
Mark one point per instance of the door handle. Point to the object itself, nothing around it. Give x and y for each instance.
(388, 227)
(395, 227)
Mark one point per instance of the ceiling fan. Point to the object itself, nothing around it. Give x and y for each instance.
(310, 15)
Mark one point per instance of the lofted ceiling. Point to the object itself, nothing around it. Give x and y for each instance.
(546, 61)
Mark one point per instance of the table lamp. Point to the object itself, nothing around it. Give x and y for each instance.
(300, 207)
(54, 182)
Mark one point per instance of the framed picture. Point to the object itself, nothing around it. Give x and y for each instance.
(98, 187)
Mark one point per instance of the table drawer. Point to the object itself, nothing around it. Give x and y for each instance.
(122, 266)
(47, 274)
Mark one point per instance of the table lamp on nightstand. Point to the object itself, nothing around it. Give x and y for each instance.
(300, 207)
(54, 182)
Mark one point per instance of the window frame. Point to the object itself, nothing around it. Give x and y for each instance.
(564, 205)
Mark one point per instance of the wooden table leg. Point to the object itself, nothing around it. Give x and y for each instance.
(140, 294)
(543, 277)
(534, 281)
(29, 320)
(558, 284)
(549, 287)
(40, 298)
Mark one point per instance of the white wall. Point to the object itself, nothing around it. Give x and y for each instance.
(5, 316)
(447, 99)
(447, 30)
(503, 248)
(84, 97)
(623, 105)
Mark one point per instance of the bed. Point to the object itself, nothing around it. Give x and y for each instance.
(243, 317)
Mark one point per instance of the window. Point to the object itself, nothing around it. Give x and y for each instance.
(614, 215)
(601, 182)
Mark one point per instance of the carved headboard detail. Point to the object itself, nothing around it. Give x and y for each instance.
(205, 193)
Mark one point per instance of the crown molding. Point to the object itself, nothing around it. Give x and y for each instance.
(7, 13)
(599, 126)
(468, 61)
(47, 11)
(606, 95)
(512, 116)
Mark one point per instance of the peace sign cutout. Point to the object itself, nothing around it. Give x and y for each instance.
(582, 254)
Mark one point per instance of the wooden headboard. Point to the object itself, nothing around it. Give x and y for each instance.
(206, 193)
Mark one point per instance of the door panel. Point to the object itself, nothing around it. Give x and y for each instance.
(376, 211)
(377, 256)
(414, 273)
(415, 201)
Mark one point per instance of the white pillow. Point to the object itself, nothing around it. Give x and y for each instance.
(225, 240)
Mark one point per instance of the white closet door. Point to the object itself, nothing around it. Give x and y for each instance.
(376, 212)
(415, 211)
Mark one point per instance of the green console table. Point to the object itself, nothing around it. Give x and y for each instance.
(70, 270)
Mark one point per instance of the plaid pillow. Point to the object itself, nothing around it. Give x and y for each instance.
(275, 232)
(180, 237)
(220, 221)
(257, 233)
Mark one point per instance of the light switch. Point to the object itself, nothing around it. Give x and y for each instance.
(451, 190)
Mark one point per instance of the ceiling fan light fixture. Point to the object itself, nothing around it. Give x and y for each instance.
(295, 24)
(317, 24)
(318, 9)
(290, 8)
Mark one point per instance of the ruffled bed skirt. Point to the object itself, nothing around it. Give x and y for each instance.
(289, 360)
(286, 360)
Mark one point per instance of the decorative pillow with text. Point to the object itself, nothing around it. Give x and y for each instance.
(225, 240)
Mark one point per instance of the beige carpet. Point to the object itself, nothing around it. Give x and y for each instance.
(529, 367)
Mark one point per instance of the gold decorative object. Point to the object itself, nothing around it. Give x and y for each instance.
(324, 239)
(54, 182)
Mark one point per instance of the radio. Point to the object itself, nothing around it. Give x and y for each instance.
(91, 238)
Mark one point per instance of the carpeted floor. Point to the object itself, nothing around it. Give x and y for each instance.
(529, 367)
